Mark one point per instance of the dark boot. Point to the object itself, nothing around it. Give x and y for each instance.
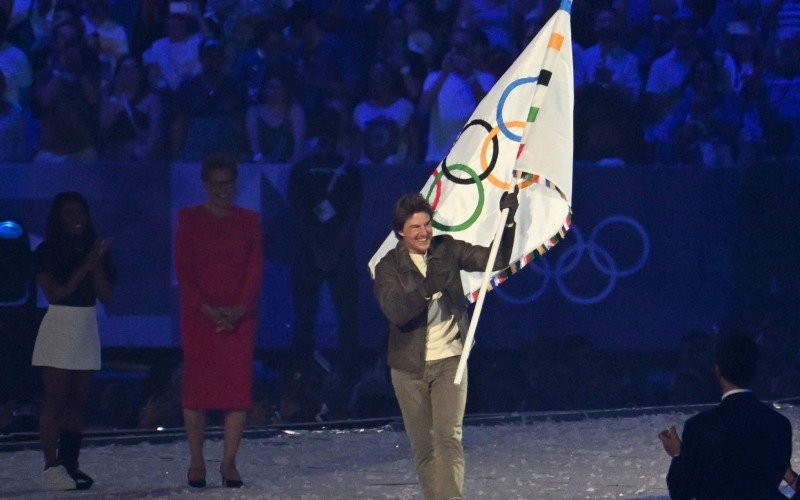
(69, 448)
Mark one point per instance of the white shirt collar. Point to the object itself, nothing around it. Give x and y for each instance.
(734, 391)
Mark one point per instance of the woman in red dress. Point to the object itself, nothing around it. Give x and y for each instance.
(219, 265)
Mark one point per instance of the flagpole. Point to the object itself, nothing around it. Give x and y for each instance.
(487, 273)
(536, 100)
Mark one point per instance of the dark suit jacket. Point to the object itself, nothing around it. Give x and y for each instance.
(738, 450)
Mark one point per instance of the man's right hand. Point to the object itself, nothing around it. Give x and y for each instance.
(434, 282)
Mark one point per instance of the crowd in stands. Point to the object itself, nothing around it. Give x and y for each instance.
(707, 83)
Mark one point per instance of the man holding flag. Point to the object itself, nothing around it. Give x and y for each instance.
(418, 288)
(517, 144)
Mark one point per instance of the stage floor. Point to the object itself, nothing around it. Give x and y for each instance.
(563, 456)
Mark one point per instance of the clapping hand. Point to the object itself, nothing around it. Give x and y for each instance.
(96, 253)
(672, 443)
(224, 318)
(232, 315)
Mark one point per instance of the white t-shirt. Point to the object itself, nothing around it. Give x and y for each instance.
(443, 340)
(177, 60)
(453, 107)
(666, 73)
(111, 36)
(17, 71)
(399, 112)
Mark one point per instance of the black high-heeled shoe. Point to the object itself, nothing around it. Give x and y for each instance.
(196, 483)
(231, 483)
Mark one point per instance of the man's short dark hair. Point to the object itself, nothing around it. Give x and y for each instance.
(218, 161)
(405, 207)
(737, 357)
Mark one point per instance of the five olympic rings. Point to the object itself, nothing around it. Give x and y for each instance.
(601, 258)
(487, 165)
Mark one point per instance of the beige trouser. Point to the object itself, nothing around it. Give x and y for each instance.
(433, 409)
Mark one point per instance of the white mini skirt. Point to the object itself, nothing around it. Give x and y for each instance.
(68, 338)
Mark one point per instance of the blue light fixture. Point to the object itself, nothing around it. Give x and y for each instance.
(10, 230)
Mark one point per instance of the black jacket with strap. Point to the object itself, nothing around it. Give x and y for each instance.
(401, 295)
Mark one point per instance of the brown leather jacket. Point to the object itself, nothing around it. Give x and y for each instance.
(401, 296)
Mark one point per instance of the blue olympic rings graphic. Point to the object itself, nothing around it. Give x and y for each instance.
(601, 258)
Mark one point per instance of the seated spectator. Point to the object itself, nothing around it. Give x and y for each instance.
(108, 37)
(276, 127)
(739, 449)
(130, 117)
(208, 109)
(608, 63)
(14, 142)
(67, 97)
(384, 120)
(705, 125)
(451, 94)
(174, 58)
(270, 56)
(14, 65)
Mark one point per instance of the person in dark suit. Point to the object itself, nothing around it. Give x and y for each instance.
(739, 449)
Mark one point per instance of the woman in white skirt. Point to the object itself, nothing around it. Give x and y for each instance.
(74, 270)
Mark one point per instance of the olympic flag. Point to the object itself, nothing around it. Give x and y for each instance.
(520, 134)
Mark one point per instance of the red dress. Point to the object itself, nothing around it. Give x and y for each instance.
(218, 261)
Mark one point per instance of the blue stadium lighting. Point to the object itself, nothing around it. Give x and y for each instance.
(10, 230)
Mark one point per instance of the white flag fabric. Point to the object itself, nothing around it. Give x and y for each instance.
(523, 125)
